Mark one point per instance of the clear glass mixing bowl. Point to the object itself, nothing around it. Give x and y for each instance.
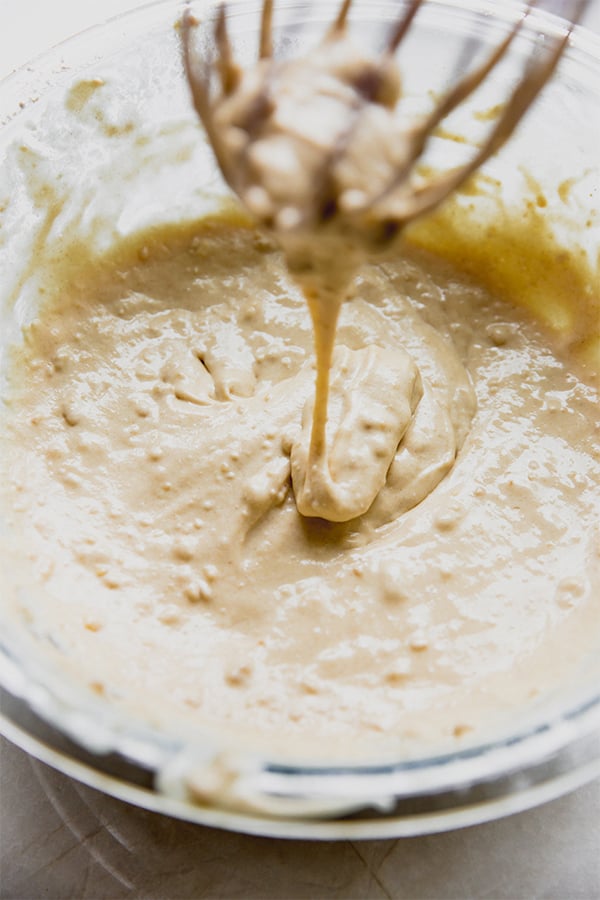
(171, 176)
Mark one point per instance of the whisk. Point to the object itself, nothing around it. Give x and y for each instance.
(314, 141)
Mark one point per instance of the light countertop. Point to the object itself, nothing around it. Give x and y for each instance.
(60, 839)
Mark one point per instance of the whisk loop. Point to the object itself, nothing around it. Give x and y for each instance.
(314, 141)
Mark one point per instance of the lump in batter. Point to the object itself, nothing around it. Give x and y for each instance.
(373, 397)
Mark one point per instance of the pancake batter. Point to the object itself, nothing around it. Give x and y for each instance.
(156, 455)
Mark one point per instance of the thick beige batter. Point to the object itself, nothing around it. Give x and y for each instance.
(160, 409)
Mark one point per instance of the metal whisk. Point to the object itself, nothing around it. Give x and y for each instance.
(352, 166)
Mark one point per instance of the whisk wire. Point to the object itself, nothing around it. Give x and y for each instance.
(228, 71)
(340, 20)
(455, 96)
(265, 49)
(400, 31)
(538, 73)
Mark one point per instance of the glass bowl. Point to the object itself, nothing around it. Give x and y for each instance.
(46, 115)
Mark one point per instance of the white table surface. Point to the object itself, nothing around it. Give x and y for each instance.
(60, 839)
